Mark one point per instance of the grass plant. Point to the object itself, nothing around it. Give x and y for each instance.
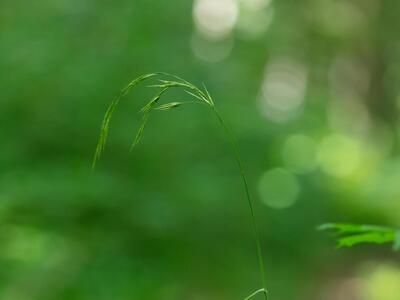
(198, 96)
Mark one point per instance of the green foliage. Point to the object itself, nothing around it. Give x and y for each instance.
(353, 234)
(201, 97)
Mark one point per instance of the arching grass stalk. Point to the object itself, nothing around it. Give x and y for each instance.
(200, 96)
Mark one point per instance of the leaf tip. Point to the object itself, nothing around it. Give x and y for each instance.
(325, 226)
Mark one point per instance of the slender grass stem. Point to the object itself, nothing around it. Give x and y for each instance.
(256, 233)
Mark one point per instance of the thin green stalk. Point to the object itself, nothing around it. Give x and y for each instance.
(201, 97)
(256, 233)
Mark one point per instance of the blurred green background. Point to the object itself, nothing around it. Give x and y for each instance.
(310, 88)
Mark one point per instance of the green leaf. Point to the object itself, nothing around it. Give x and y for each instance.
(372, 238)
(353, 228)
(256, 293)
(354, 234)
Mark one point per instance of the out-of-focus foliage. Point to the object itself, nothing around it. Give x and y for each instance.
(359, 234)
(310, 88)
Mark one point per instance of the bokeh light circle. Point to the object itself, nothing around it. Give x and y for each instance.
(339, 155)
(278, 188)
(215, 18)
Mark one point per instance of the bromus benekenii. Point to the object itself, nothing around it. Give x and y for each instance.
(198, 96)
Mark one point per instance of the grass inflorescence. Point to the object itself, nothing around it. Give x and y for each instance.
(199, 96)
